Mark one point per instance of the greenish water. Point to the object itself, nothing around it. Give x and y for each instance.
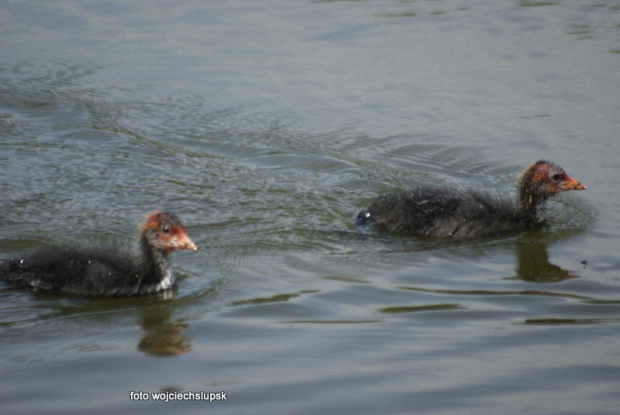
(266, 127)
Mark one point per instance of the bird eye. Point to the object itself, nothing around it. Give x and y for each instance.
(556, 177)
(166, 229)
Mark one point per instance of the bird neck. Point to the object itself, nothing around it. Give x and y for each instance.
(155, 260)
(533, 205)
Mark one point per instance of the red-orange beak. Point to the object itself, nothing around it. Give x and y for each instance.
(572, 184)
(182, 241)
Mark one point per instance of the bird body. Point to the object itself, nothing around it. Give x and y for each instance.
(96, 271)
(452, 213)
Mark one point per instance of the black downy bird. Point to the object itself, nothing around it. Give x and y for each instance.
(97, 271)
(451, 213)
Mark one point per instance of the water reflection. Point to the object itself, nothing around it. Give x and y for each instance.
(162, 337)
(533, 263)
(162, 334)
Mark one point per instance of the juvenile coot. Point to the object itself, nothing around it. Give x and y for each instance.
(448, 213)
(97, 271)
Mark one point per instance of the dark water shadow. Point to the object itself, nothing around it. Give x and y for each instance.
(163, 335)
(160, 316)
(533, 263)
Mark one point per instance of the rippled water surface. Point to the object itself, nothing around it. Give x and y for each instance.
(266, 126)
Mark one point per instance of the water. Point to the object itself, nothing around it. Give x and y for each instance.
(266, 126)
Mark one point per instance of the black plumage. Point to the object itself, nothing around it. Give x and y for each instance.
(451, 213)
(97, 271)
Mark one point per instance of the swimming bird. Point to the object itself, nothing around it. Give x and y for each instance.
(454, 213)
(99, 271)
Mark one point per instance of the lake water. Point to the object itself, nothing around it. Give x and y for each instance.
(266, 126)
